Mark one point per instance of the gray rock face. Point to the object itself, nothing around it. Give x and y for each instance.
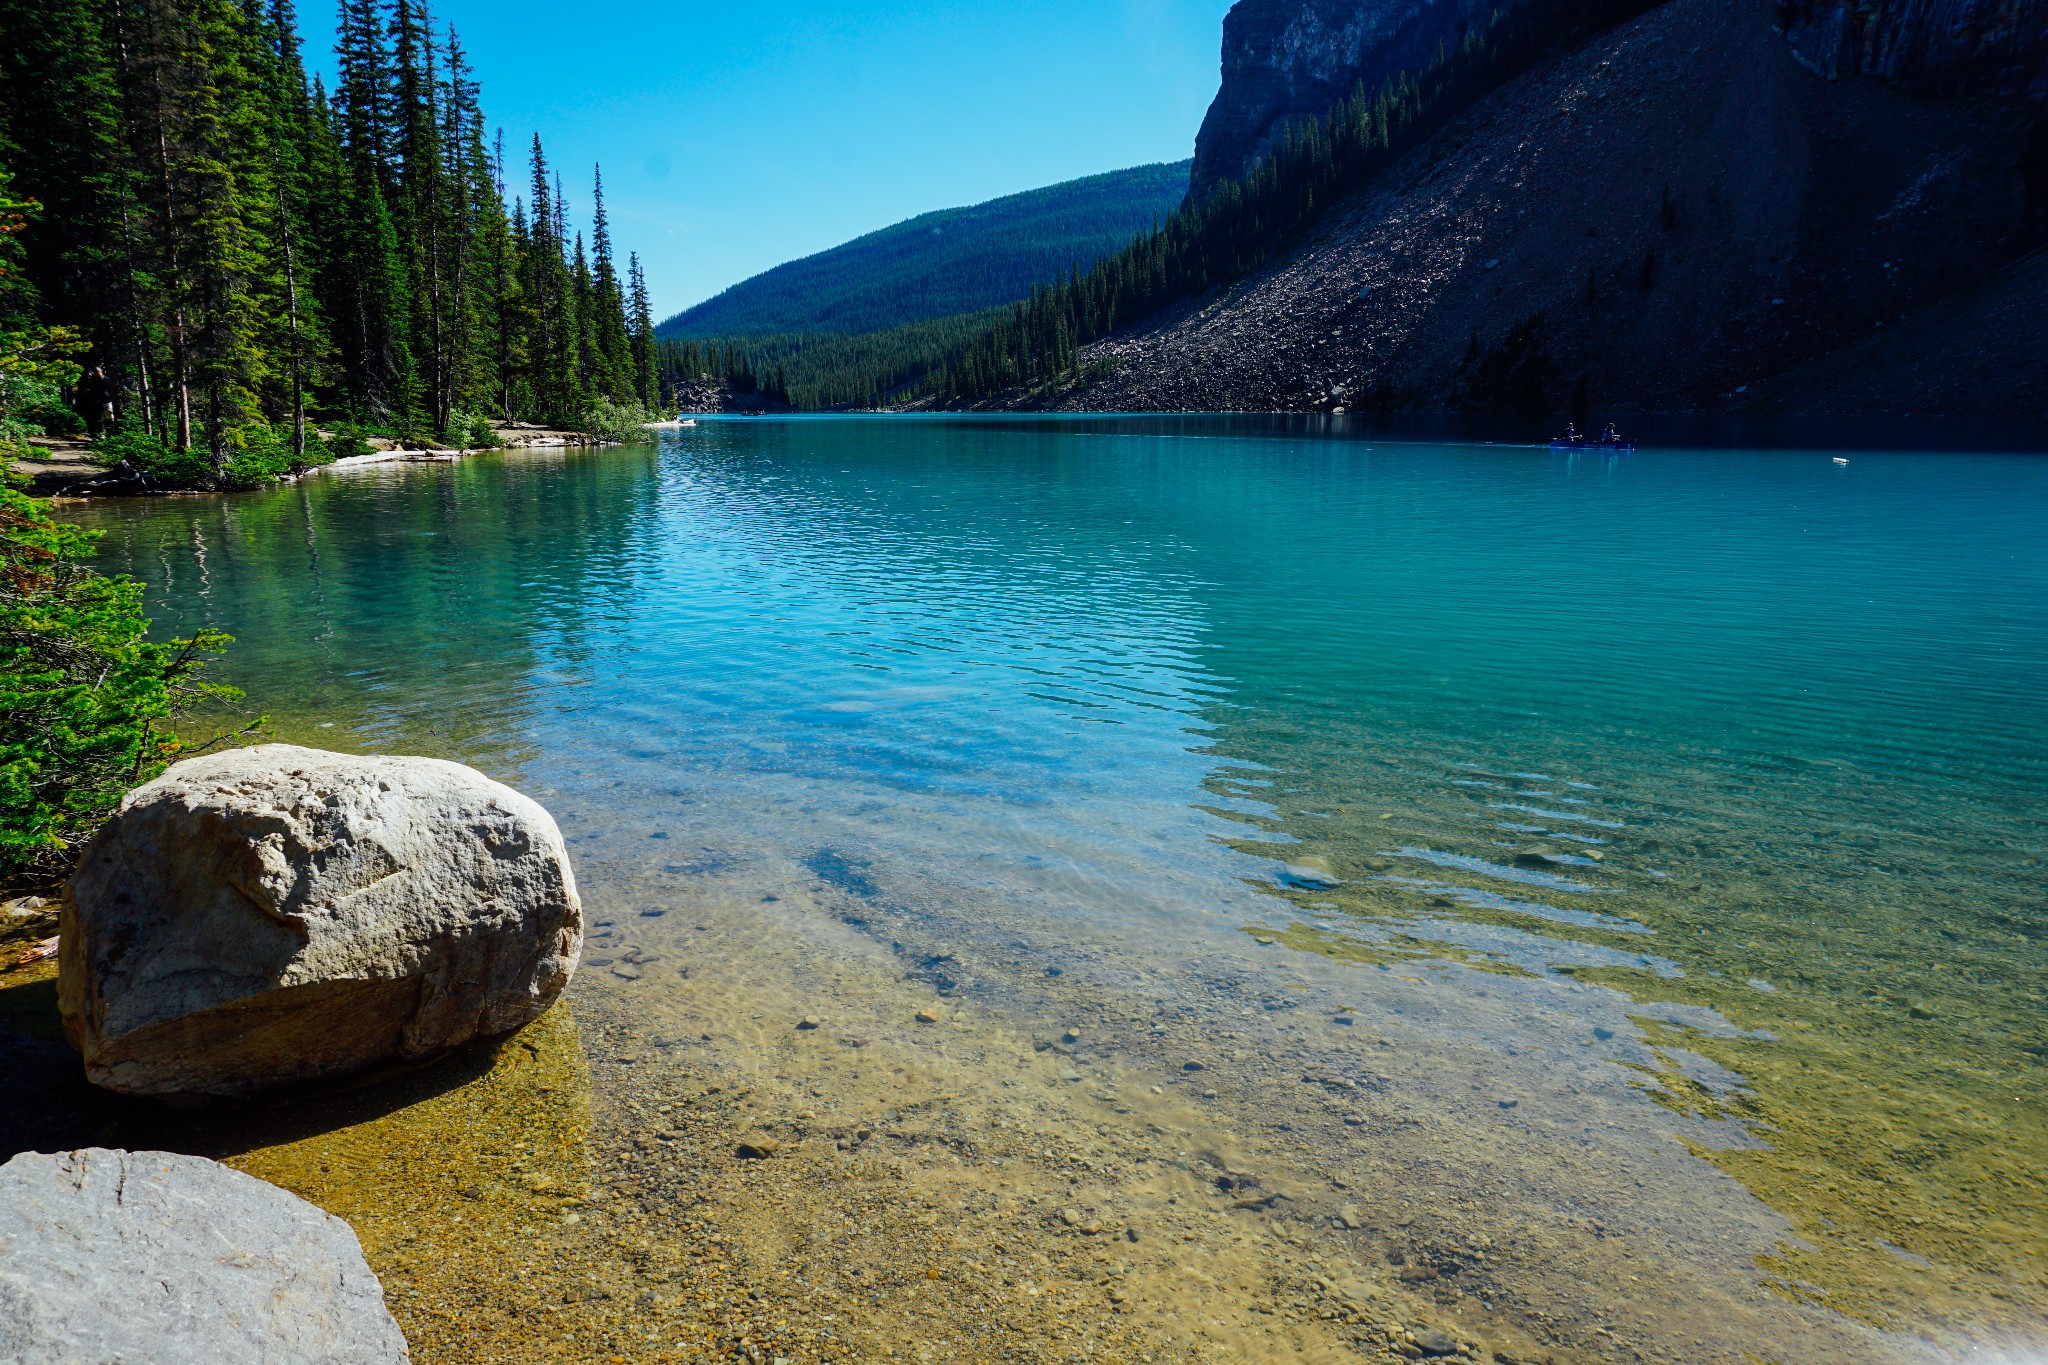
(150, 1258)
(1285, 60)
(274, 917)
(1998, 42)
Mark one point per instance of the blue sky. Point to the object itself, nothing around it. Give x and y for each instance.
(738, 136)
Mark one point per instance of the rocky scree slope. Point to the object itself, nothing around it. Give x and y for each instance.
(1660, 219)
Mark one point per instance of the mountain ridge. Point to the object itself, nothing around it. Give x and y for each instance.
(1596, 234)
(943, 263)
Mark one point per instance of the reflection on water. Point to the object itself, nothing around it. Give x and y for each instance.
(1481, 820)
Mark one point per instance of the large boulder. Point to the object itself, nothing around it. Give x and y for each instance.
(274, 917)
(175, 1260)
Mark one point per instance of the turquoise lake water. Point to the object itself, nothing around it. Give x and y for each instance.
(1728, 770)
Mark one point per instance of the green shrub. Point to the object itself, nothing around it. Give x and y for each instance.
(57, 419)
(347, 440)
(622, 422)
(25, 400)
(83, 692)
(131, 442)
(256, 455)
(467, 432)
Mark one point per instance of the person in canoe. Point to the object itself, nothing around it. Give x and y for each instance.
(1571, 435)
(1612, 436)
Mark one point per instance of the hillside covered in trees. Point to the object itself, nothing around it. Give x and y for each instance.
(245, 253)
(947, 263)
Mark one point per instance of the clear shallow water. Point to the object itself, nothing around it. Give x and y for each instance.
(1693, 796)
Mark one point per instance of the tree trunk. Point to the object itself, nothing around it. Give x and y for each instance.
(291, 295)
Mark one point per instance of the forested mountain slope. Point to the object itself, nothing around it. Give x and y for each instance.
(945, 263)
(1661, 218)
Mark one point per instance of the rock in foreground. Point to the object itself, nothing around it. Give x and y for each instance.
(151, 1256)
(274, 917)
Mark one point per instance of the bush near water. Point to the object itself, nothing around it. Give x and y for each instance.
(84, 695)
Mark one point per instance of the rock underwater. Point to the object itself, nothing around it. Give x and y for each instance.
(275, 917)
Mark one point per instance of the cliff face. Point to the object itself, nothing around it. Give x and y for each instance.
(1285, 60)
(1663, 218)
(2001, 43)
(1292, 59)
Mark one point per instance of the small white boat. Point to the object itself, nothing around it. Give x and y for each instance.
(1840, 460)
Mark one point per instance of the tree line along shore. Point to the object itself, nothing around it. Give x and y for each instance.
(217, 259)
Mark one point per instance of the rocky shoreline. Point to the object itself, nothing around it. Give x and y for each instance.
(254, 924)
(65, 467)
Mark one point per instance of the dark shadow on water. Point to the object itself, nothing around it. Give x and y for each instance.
(1652, 431)
(50, 1106)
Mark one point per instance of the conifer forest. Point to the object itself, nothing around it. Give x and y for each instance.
(249, 257)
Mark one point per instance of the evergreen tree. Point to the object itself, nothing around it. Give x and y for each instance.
(646, 381)
(249, 255)
(611, 337)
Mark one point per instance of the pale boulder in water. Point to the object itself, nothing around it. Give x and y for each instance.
(177, 1260)
(274, 917)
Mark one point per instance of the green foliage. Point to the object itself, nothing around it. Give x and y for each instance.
(36, 364)
(252, 455)
(823, 372)
(257, 455)
(83, 693)
(617, 422)
(131, 443)
(347, 441)
(244, 254)
(468, 431)
(940, 265)
(24, 398)
(57, 419)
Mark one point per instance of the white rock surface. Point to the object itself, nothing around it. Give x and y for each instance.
(273, 917)
(150, 1258)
